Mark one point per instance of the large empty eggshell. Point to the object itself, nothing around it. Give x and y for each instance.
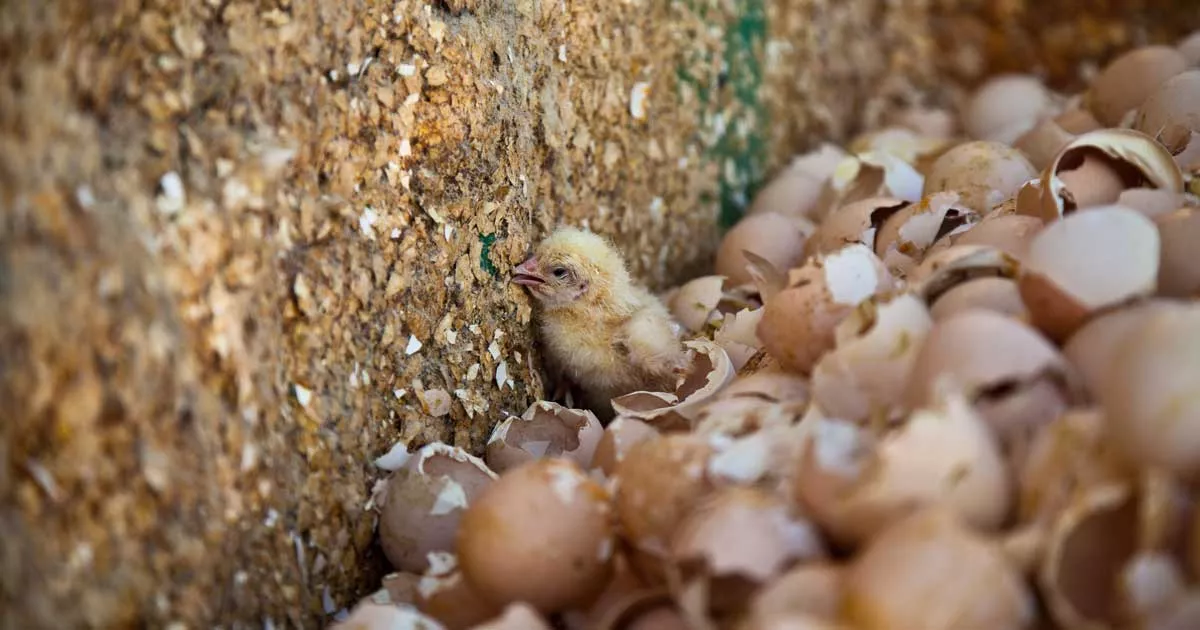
(904, 237)
(546, 429)
(857, 222)
(1114, 160)
(866, 374)
(1006, 106)
(795, 190)
(746, 533)
(1127, 81)
(983, 173)
(651, 504)
(928, 571)
(797, 327)
(547, 522)
(619, 436)
(999, 295)
(1001, 364)
(943, 455)
(1178, 265)
(774, 237)
(1151, 392)
(1089, 546)
(711, 370)
(1087, 262)
(423, 502)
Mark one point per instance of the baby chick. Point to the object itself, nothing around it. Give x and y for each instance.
(601, 331)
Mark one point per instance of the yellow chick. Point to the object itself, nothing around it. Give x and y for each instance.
(605, 334)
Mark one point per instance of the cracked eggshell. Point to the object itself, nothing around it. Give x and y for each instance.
(1009, 233)
(853, 223)
(651, 504)
(774, 237)
(443, 594)
(548, 522)
(695, 302)
(983, 173)
(1087, 262)
(866, 373)
(855, 485)
(424, 501)
(797, 326)
(1171, 114)
(903, 239)
(1012, 375)
(944, 270)
(546, 429)
(813, 589)
(619, 436)
(1096, 167)
(797, 188)
(745, 534)
(1090, 543)
(737, 335)
(1006, 106)
(929, 571)
(1151, 392)
(1128, 80)
(999, 295)
(517, 616)
(1178, 264)
(711, 370)
(1064, 458)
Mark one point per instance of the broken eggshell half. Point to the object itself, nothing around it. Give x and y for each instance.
(903, 239)
(546, 429)
(856, 222)
(711, 370)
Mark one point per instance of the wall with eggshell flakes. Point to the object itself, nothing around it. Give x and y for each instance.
(249, 246)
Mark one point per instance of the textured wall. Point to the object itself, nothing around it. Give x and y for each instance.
(226, 222)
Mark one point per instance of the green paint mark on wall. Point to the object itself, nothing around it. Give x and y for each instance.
(484, 262)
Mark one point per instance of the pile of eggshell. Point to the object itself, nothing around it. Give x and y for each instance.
(944, 380)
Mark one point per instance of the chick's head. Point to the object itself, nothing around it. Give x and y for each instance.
(572, 267)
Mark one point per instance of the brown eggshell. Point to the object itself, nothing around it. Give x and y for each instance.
(651, 504)
(650, 609)
(1041, 143)
(547, 522)
(1009, 233)
(710, 371)
(546, 429)
(738, 335)
(1093, 348)
(1006, 106)
(853, 223)
(1065, 458)
(900, 142)
(1077, 120)
(905, 236)
(1172, 113)
(745, 533)
(1151, 392)
(999, 295)
(1127, 81)
(1093, 182)
(928, 571)
(1090, 544)
(995, 359)
(518, 616)
(773, 386)
(443, 594)
(943, 455)
(775, 237)
(944, 270)
(623, 586)
(619, 436)
(1087, 262)
(1178, 265)
(797, 327)
(812, 589)
(795, 190)
(1152, 202)
(370, 615)
(866, 373)
(983, 173)
(424, 502)
(929, 122)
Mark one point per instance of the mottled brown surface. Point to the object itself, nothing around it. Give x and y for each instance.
(157, 462)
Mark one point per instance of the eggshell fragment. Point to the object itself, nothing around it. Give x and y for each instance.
(1006, 106)
(905, 144)
(710, 371)
(547, 522)
(1065, 458)
(865, 375)
(775, 237)
(650, 609)
(696, 301)
(622, 588)
(1077, 120)
(772, 386)
(619, 436)
(1171, 114)
(1087, 262)
(953, 266)
(983, 173)
(1014, 377)
(1093, 348)
(1090, 544)
(857, 222)
(1151, 202)
(904, 237)
(797, 327)
(424, 501)
(738, 335)
(812, 589)
(546, 429)
(369, 615)
(928, 571)
(856, 486)
(928, 122)
(1127, 81)
(1009, 233)
(1178, 265)
(1044, 141)
(443, 594)
(518, 616)
(999, 295)
(1151, 393)
(795, 190)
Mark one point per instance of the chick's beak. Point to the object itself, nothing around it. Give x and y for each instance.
(527, 273)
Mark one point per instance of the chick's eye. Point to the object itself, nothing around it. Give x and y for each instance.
(559, 272)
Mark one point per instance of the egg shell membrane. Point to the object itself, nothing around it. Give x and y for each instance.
(1129, 175)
